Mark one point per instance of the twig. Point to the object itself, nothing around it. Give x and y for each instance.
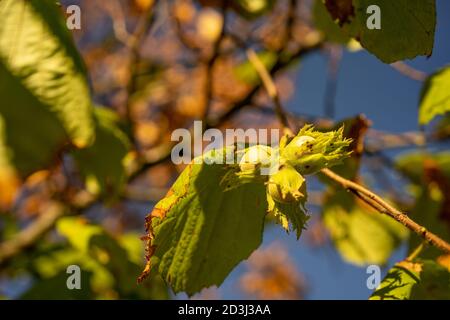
(181, 35)
(335, 55)
(46, 221)
(382, 206)
(144, 24)
(270, 88)
(114, 9)
(416, 251)
(281, 63)
(290, 22)
(164, 151)
(28, 236)
(409, 71)
(211, 62)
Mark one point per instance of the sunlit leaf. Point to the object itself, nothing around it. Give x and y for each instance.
(198, 233)
(430, 178)
(418, 280)
(36, 49)
(111, 263)
(362, 236)
(30, 132)
(286, 198)
(188, 231)
(435, 98)
(412, 165)
(102, 162)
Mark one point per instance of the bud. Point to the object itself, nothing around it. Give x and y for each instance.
(310, 151)
(250, 167)
(301, 140)
(286, 198)
(255, 157)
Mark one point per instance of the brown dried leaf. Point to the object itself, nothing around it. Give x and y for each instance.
(341, 10)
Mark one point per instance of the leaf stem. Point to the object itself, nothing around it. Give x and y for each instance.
(416, 251)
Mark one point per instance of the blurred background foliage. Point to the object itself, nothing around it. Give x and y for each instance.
(85, 124)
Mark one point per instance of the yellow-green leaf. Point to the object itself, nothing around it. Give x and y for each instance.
(36, 48)
(102, 163)
(415, 280)
(198, 233)
(435, 98)
(360, 235)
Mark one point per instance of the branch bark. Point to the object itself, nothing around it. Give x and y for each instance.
(270, 88)
(382, 206)
(28, 236)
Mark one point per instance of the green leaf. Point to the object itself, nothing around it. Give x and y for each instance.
(102, 163)
(55, 288)
(291, 216)
(418, 280)
(286, 198)
(30, 133)
(427, 212)
(435, 98)
(430, 176)
(407, 26)
(212, 217)
(323, 22)
(412, 164)
(198, 233)
(111, 263)
(36, 49)
(360, 235)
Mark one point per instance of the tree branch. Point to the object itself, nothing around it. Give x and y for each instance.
(364, 194)
(409, 71)
(145, 22)
(281, 63)
(28, 236)
(382, 206)
(270, 88)
(211, 62)
(334, 60)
